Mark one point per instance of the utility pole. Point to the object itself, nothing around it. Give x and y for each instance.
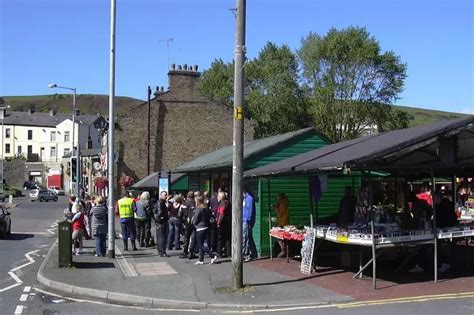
(110, 152)
(149, 136)
(238, 146)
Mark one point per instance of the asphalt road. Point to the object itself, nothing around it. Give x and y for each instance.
(32, 233)
(30, 236)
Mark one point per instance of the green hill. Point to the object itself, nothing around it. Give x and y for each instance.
(86, 103)
(423, 116)
(92, 104)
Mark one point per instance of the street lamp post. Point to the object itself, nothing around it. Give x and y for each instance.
(2, 109)
(55, 86)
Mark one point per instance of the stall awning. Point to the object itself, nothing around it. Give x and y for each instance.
(151, 181)
(444, 144)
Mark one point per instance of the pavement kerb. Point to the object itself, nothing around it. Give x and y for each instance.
(135, 300)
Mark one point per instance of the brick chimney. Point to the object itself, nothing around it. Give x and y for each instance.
(184, 79)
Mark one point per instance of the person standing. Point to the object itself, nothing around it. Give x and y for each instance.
(174, 223)
(99, 227)
(142, 218)
(347, 207)
(213, 204)
(161, 221)
(223, 222)
(201, 224)
(126, 207)
(249, 250)
(78, 228)
(189, 246)
(283, 219)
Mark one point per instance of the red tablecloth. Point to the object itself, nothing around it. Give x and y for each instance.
(292, 236)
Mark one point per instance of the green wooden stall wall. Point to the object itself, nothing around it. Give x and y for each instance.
(297, 191)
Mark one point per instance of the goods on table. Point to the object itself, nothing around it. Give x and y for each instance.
(289, 232)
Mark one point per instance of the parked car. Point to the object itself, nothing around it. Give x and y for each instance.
(5, 222)
(43, 195)
(57, 190)
(30, 185)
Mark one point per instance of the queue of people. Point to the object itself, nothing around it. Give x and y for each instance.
(197, 225)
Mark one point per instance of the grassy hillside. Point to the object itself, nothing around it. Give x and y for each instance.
(423, 116)
(86, 103)
(91, 104)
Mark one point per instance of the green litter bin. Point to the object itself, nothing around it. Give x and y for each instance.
(64, 244)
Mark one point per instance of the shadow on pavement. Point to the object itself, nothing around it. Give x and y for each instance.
(298, 279)
(18, 237)
(93, 265)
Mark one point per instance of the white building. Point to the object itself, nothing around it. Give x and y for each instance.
(47, 138)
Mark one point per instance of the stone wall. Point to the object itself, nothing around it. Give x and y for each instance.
(15, 173)
(184, 125)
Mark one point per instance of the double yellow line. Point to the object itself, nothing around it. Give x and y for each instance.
(413, 299)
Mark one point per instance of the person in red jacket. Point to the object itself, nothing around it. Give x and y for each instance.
(78, 227)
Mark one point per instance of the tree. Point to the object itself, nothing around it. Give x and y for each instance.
(275, 100)
(218, 83)
(273, 97)
(350, 83)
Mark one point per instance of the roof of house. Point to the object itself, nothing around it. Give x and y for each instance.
(222, 158)
(151, 181)
(37, 119)
(412, 147)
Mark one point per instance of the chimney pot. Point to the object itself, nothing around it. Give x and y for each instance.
(195, 67)
(179, 67)
(162, 89)
(185, 67)
(173, 66)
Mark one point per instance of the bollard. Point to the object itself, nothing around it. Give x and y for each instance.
(64, 244)
(10, 199)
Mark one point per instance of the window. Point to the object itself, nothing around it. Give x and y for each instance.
(67, 151)
(30, 150)
(53, 136)
(7, 148)
(7, 133)
(52, 152)
(19, 150)
(66, 136)
(30, 134)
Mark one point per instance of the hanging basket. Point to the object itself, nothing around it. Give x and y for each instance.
(126, 181)
(101, 182)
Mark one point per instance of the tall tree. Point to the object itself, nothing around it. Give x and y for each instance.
(350, 83)
(273, 97)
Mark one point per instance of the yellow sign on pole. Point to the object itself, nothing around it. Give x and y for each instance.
(238, 113)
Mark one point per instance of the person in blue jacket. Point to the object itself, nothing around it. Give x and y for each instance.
(249, 250)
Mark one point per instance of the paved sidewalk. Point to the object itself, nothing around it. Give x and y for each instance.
(143, 278)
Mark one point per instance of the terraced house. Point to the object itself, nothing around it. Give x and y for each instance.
(44, 141)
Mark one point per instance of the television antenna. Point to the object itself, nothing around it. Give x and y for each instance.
(167, 41)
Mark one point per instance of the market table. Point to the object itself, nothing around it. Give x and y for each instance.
(284, 236)
(401, 239)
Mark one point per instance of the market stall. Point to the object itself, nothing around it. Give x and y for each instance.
(441, 149)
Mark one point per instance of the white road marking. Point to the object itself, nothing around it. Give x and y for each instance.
(127, 269)
(19, 309)
(14, 276)
(116, 305)
(27, 289)
(23, 297)
(34, 233)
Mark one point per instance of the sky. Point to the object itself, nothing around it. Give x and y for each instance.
(67, 42)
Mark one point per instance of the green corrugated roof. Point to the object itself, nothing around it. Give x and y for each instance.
(222, 158)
